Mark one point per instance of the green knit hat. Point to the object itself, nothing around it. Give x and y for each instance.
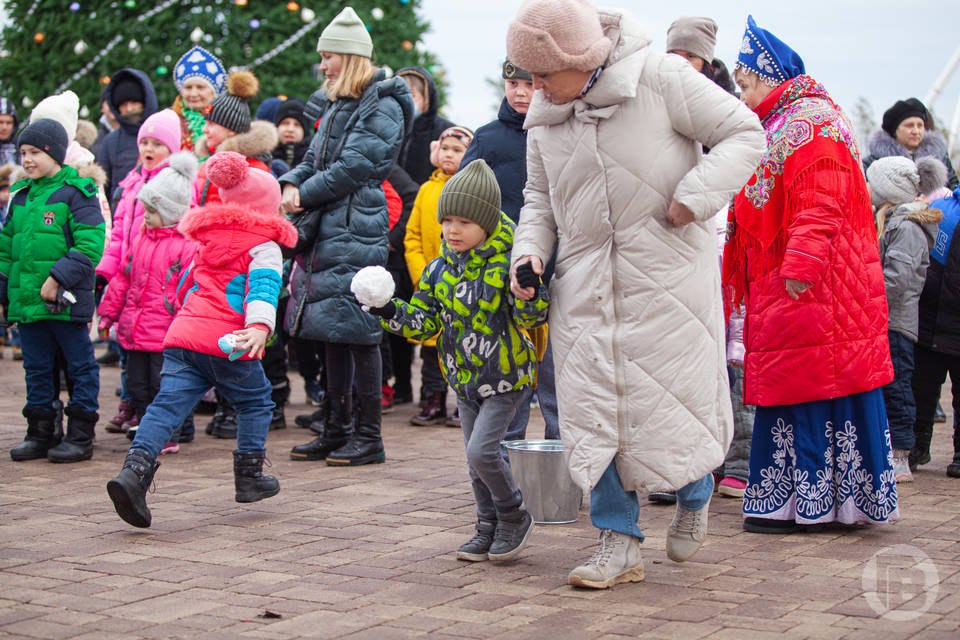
(472, 193)
(346, 34)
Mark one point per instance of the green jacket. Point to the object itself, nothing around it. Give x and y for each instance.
(466, 298)
(55, 228)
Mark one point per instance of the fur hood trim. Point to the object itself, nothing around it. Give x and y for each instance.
(235, 217)
(881, 145)
(94, 172)
(921, 214)
(261, 139)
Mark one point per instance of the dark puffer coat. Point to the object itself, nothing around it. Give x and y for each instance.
(118, 153)
(340, 190)
(502, 144)
(415, 155)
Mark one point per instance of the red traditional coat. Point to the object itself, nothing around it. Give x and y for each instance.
(806, 215)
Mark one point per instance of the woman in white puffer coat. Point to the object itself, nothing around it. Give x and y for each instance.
(618, 184)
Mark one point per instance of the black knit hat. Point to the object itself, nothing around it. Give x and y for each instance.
(293, 108)
(47, 135)
(472, 193)
(127, 89)
(903, 109)
(230, 108)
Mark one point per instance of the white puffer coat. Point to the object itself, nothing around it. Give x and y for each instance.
(636, 318)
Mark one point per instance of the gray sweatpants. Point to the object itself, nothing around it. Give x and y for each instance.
(484, 423)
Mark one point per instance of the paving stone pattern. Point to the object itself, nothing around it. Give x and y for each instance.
(368, 552)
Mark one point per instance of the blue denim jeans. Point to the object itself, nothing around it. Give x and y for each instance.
(484, 424)
(39, 342)
(185, 377)
(546, 398)
(613, 507)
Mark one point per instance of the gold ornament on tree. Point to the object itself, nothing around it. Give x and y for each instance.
(39, 37)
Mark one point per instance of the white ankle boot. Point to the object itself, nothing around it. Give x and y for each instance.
(616, 560)
(687, 533)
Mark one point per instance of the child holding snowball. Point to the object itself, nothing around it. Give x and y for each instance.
(464, 294)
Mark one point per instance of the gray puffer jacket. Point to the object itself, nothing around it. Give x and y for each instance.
(340, 182)
(905, 254)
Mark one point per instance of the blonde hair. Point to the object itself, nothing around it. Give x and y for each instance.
(882, 219)
(355, 75)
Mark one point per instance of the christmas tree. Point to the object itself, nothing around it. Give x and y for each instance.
(48, 46)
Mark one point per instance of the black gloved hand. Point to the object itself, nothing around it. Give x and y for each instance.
(386, 312)
(526, 277)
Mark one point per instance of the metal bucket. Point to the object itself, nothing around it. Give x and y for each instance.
(541, 472)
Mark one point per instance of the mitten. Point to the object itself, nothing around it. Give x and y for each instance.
(526, 277)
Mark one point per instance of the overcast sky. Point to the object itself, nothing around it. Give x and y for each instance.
(881, 50)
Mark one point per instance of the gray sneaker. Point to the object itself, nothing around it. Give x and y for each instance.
(511, 536)
(901, 465)
(687, 532)
(616, 560)
(478, 547)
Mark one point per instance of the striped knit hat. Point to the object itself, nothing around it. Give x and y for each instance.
(230, 108)
(473, 194)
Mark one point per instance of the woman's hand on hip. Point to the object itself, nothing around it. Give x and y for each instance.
(529, 292)
(679, 215)
(795, 287)
(290, 201)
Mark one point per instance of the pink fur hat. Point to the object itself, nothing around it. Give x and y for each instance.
(552, 35)
(164, 126)
(241, 184)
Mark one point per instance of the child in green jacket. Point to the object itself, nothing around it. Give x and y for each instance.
(49, 248)
(465, 296)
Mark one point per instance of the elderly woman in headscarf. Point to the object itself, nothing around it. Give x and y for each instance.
(199, 77)
(618, 184)
(803, 258)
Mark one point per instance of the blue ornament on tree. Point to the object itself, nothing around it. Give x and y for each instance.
(254, 24)
(74, 6)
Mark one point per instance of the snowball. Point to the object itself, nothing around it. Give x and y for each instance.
(373, 286)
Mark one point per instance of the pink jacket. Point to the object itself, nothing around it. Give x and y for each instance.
(141, 299)
(127, 220)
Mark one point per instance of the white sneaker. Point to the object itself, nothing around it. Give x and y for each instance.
(616, 560)
(687, 533)
(901, 465)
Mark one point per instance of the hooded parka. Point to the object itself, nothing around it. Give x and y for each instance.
(340, 183)
(636, 319)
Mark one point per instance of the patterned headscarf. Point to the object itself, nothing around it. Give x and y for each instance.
(199, 63)
(462, 134)
(768, 56)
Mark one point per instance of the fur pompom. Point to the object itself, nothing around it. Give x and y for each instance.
(933, 174)
(243, 84)
(373, 286)
(185, 163)
(227, 169)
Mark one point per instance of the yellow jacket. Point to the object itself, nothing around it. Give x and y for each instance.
(422, 241)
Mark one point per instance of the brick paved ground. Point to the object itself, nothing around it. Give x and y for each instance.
(368, 553)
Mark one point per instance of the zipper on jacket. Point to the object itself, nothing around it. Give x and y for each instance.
(326, 138)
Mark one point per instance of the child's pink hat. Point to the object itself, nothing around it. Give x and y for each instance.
(164, 126)
(240, 183)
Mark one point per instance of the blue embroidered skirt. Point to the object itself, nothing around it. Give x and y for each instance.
(823, 461)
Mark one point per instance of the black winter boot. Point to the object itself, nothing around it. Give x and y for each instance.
(226, 427)
(953, 469)
(248, 478)
(129, 489)
(78, 443)
(277, 419)
(42, 434)
(312, 421)
(335, 429)
(221, 413)
(365, 447)
(920, 454)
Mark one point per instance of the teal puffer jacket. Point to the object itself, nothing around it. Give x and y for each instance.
(340, 181)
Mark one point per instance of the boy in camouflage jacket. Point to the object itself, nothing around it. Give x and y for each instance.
(465, 296)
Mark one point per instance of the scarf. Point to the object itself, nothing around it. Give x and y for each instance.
(805, 127)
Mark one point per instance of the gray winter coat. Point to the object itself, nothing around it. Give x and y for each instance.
(905, 253)
(340, 190)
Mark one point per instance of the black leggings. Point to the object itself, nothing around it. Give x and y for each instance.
(345, 360)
